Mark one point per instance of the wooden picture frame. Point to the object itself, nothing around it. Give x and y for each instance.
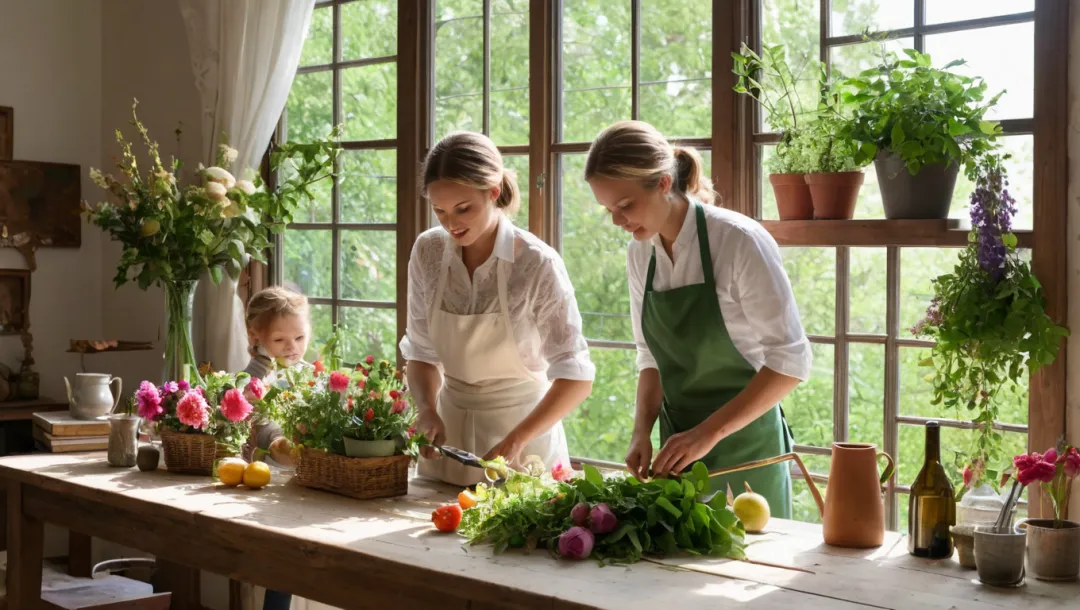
(7, 132)
(14, 301)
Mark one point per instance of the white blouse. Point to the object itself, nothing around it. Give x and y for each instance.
(754, 292)
(543, 310)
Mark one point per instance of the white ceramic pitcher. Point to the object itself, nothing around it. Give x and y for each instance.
(91, 397)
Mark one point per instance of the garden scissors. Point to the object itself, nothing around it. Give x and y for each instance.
(469, 459)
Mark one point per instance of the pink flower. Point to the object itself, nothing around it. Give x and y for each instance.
(256, 387)
(183, 385)
(369, 360)
(412, 431)
(576, 543)
(561, 472)
(339, 382)
(1050, 456)
(968, 475)
(193, 411)
(1072, 462)
(349, 406)
(601, 519)
(369, 415)
(319, 367)
(1025, 460)
(149, 401)
(235, 406)
(360, 383)
(169, 387)
(580, 514)
(399, 406)
(1034, 467)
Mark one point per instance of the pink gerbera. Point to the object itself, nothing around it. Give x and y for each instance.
(256, 387)
(193, 411)
(339, 382)
(149, 401)
(235, 406)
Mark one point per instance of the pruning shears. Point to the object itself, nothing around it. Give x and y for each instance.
(469, 459)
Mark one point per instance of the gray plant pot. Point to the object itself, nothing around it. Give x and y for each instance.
(926, 195)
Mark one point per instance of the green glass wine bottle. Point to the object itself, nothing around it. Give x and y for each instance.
(931, 506)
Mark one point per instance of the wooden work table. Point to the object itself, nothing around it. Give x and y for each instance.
(384, 554)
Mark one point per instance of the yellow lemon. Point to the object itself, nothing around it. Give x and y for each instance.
(752, 509)
(256, 475)
(231, 471)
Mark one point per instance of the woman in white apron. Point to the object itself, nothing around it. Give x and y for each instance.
(494, 347)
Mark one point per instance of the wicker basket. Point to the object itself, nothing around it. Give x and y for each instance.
(362, 478)
(190, 453)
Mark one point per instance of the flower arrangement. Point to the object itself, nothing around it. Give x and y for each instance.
(615, 519)
(380, 407)
(1054, 471)
(988, 318)
(218, 407)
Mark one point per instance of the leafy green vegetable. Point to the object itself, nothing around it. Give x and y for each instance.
(657, 517)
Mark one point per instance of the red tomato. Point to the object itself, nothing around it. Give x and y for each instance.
(447, 517)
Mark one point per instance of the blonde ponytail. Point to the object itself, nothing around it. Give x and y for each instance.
(509, 198)
(690, 175)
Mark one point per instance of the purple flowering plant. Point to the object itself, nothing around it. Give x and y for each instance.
(988, 318)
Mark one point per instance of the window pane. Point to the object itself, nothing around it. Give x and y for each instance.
(319, 208)
(803, 507)
(594, 251)
(850, 60)
(941, 11)
(321, 328)
(866, 393)
(796, 25)
(917, 391)
(310, 107)
(319, 43)
(368, 261)
(510, 72)
(867, 294)
(812, 272)
(600, 428)
(918, 266)
(595, 66)
(459, 66)
(369, 102)
(368, 332)
(809, 409)
(520, 165)
(1009, 67)
(369, 186)
(308, 256)
(368, 29)
(855, 16)
(676, 66)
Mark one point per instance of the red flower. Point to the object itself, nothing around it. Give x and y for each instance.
(1050, 456)
(968, 475)
(256, 387)
(348, 407)
(399, 406)
(1072, 462)
(369, 359)
(1034, 467)
(311, 383)
(1025, 460)
(360, 383)
(412, 430)
(394, 394)
(369, 415)
(319, 367)
(339, 382)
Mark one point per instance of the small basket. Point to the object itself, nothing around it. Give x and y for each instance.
(361, 478)
(190, 453)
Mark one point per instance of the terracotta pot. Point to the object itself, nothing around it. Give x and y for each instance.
(834, 195)
(854, 512)
(1052, 553)
(792, 196)
(999, 558)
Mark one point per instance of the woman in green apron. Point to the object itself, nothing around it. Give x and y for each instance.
(718, 334)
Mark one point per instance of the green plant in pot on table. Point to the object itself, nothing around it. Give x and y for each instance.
(1053, 544)
(919, 125)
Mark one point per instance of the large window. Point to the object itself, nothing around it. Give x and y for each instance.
(543, 77)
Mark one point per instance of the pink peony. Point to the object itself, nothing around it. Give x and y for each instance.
(576, 543)
(1025, 460)
(339, 382)
(1072, 462)
(235, 406)
(369, 360)
(193, 411)
(601, 519)
(149, 401)
(580, 514)
(257, 388)
(369, 415)
(561, 472)
(399, 406)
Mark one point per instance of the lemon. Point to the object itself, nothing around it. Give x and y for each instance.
(752, 509)
(231, 471)
(256, 475)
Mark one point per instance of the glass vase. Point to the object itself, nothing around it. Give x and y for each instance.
(179, 353)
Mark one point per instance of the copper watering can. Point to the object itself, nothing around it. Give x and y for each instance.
(852, 514)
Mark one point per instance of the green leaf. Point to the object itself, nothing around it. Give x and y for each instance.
(1009, 239)
(989, 127)
(701, 476)
(215, 275)
(632, 534)
(896, 136)
(665, 504)
(593, 475)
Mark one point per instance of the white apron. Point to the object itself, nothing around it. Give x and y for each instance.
(487, 391)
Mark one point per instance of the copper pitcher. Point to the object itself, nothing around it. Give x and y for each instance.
(853, 514)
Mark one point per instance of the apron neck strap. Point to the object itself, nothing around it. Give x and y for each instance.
(502, 277)
(703, 250)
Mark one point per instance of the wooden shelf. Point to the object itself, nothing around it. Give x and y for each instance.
(871, 233)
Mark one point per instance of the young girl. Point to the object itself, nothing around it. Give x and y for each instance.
(718, 334)
(494, 347)
(278, 333)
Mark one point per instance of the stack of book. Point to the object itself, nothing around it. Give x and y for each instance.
(58, 432)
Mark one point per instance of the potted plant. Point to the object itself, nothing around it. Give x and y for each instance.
(988, 319)
(124, 436)
(381, 412)
(1053, 548)
(834, 177)
(779, 98)
(918, 124)
(198, 423)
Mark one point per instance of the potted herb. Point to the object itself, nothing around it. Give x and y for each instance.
(124, 436)
(779, 98)
(834, 177)
(988, 318)
(1053, 544)
(918, 124)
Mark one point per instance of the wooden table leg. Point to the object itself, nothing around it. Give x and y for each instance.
(26, 550)
(80, 554)
(183, 582)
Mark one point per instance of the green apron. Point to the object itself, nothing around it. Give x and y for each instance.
(701, 370)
